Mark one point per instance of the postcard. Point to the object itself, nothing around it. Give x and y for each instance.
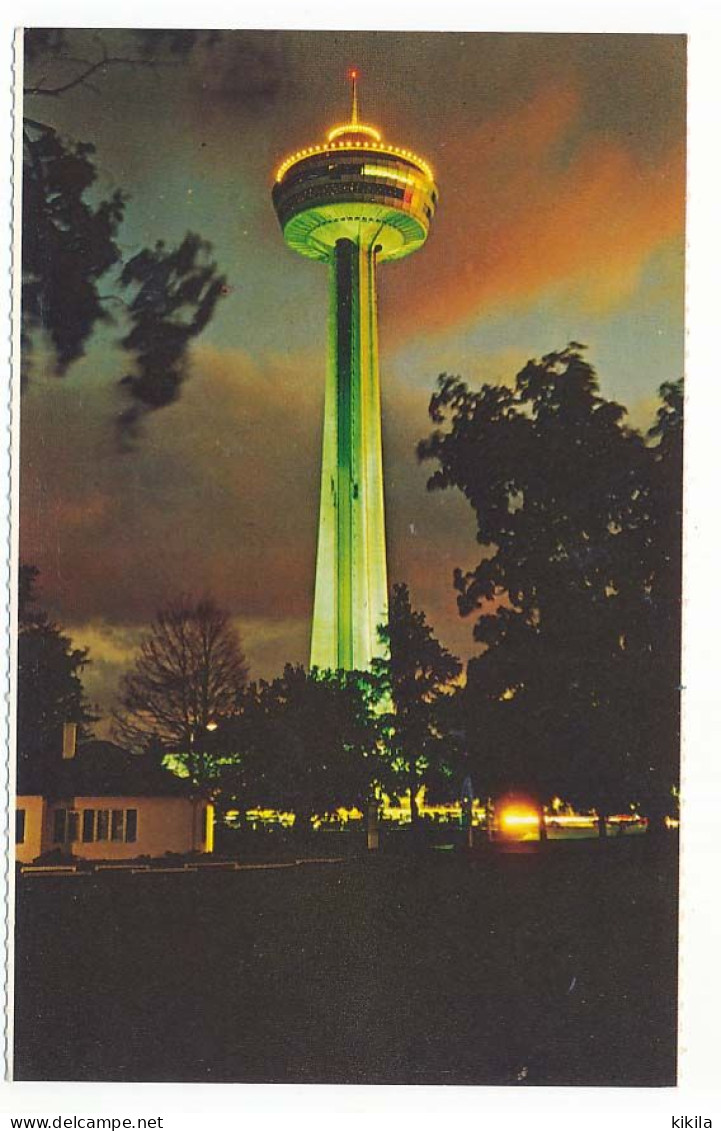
(348, 577)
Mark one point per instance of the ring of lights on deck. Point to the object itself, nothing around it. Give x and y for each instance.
(355, 187)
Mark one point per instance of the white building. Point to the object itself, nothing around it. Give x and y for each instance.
(107, 804)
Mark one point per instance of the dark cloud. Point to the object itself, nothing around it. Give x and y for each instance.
(221, 496)
(248, 69)
(201, 502)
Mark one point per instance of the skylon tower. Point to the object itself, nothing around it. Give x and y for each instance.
(352, 202)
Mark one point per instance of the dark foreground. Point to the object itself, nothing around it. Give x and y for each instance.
(555, 968)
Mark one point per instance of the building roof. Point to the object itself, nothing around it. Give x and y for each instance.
(101, 769)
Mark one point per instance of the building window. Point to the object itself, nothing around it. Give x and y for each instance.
(131, 825)
(73, 827)
(59, 825)
(97, 825)
(20, 826)
(66, 826)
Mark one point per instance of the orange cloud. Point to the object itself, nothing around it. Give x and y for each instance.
(526, 206)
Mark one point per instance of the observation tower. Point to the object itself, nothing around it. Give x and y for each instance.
(353, 201)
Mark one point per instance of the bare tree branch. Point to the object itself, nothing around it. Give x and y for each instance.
(189, 673)
(91, 69)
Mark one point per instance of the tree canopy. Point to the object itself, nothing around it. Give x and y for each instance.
(306, 742)
(50, 689)
(412, 686)
(74, 272)
(577, 593)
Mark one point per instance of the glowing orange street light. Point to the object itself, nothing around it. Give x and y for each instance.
(515, 818)
(518, 818)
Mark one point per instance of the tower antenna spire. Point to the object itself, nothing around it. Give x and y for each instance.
(354, 97)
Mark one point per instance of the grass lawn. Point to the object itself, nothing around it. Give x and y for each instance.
(543, 968)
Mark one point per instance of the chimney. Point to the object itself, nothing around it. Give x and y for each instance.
(70, 739)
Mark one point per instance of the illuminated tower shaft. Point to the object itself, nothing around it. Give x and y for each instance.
(351, 588)
(352, 202)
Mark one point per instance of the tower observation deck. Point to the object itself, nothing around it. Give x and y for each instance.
(352, 202)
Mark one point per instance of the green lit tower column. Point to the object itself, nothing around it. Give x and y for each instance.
(352, 202)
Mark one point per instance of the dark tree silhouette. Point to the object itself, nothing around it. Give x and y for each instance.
(68, 245)
(657, 709)
(189, 674)
(71, 243)
(572, 508)
(306, 742)
(50, 689)
(412, 686)
(175, 296)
